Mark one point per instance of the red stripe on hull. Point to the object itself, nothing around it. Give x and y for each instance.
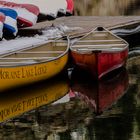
(2, 17)
(24, 23)
(31, 8)
(70, 6)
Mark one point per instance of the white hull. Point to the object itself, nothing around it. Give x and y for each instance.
(47, 7)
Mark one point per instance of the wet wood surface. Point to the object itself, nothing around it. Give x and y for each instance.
(88, 22)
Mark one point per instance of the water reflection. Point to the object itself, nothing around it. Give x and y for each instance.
(71, 119)
(121, 122)
(105, 110)
(21, 100)
(107, 7)
(102, 94)
(88, 100)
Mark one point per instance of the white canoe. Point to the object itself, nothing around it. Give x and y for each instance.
(62, 5)
(47, 7)
(27, 13)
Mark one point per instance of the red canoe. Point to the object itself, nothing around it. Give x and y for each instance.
(70, 7)
(2, 19)
(27, 13)
(100, 95)
(99, 52)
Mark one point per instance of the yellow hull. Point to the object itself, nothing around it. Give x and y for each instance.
(21, 75)
(25, 99)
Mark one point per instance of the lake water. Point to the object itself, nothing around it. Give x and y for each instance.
(78, 108)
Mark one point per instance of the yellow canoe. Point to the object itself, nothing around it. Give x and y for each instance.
(33, 64)
(13, 104)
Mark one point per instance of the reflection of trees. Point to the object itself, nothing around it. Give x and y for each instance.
(133, 8)
(133, 66)
(84, 7)
(62, 120)
(117, 125)
(138, 120)
(74, 118)
(137, 102)
(104, 7)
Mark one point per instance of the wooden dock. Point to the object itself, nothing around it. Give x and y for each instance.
(86, 23)
(89, 22)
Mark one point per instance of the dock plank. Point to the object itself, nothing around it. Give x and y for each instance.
(89, 22)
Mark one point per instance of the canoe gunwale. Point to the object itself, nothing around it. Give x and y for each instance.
(90, 41)
(91, 50)
(35, 46)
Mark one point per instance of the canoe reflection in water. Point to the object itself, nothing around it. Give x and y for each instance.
(18, 101)
(100, 95)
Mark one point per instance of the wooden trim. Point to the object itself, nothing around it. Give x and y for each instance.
(100, 49)
(40, 52)
(28, 58)
(101, 45)
(113, 40)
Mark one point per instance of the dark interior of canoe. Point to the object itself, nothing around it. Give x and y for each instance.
(35, 54)
(99, 40)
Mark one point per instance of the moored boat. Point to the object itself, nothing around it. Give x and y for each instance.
(99, 52)
(33, 64)
(51, 9)
(27, 13)
(10, 23)
(62, 7)
(47, 8)
(2, 19)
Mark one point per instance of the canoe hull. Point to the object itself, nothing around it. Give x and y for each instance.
(21, 75)
(27, 13)
(10, 23)
(100, 63)
(100, 52)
